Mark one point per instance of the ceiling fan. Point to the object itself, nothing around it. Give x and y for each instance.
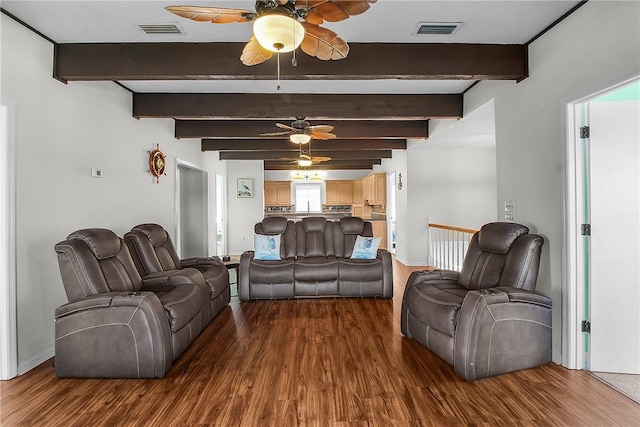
(301, 132)
(283, 25)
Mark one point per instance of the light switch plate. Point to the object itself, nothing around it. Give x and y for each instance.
(509, 205)
(97, 173)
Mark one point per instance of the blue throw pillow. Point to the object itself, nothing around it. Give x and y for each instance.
(266, 247)
(366, 247)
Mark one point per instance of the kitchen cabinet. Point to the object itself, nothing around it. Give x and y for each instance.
(374, 188)
(277, 193)
(338, 192)
(380, 230)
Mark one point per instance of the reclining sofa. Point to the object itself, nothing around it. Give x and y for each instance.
(118, 323)
(486, 319)
(315, 260)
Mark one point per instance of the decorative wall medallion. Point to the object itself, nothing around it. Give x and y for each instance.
(157, 163)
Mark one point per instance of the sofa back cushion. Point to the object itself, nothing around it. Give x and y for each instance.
(501, 254)
(153, 248)
(314, 237)
(94, 261)
(279, 225)
(345, 233)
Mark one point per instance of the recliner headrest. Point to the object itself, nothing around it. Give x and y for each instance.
(274, 225)
(102, 242)
(156, 234)
(314, 223)
(498, 237)
(352, 225)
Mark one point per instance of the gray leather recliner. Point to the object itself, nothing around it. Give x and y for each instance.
(114, 326)
(154, 255)
(486, 319)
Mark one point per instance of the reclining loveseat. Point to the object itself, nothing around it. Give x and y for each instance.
(115, 325)
(486, 319)
(315, 259)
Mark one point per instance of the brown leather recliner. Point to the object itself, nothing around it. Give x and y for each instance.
(487, 319)
(154, 255)
(114, 326)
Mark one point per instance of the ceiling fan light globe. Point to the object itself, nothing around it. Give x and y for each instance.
(278, 33)
(304, 162)
(300, 138)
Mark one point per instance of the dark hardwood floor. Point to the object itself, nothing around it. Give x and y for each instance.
(314, 362)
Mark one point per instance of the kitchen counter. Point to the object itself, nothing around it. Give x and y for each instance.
(299, 215)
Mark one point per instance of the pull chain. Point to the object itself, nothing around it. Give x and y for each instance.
(278, 87)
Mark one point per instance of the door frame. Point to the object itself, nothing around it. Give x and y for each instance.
(574, 306)
(221, 210)
(205, 205)
(8, 288)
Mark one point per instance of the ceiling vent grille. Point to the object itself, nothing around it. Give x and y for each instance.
(436, 28)
(160, 29)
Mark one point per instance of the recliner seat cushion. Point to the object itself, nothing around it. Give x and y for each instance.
(364, 270)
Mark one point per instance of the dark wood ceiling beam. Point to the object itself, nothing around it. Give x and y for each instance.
(220, 61)
(312, 106)
(345, 129)
(293, 155)
(317, 146)
(329, 165)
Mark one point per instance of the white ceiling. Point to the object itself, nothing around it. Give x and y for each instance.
(387, 21)
(390, 21)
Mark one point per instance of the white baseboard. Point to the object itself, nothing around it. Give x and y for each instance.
(28, 365)
(556, 357)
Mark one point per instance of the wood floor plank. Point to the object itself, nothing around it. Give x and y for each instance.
(314, 362)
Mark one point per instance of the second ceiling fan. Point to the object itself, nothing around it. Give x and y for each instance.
(301, 131)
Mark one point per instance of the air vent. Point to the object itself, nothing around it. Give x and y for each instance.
(436, 28)
(160, 29)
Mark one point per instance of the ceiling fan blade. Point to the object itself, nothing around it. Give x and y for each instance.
(254, 54)
(320, 159)
(283, 126)
(321, 128)
(275, 134)
(335, 10)
(216, 15)
(323, 135)
(322, 43)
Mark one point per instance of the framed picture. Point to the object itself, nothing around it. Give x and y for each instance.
(245, 187)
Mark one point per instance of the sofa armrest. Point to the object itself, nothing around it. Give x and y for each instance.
(502, 330)
(201, 262)
(387, 273)
(113, 335)
(425, 276)
(243, 275)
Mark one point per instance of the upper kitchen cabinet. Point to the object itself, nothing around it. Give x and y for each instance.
(277, 193)
(339, 192)
(374, 189)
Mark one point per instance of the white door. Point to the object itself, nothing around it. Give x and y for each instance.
(192, 236)
(614, 297)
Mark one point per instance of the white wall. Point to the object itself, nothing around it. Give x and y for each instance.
(62, 131)
(243, 213)
(595, 47)
(448, 186)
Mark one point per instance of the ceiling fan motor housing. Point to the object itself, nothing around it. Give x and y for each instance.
(272, 7)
